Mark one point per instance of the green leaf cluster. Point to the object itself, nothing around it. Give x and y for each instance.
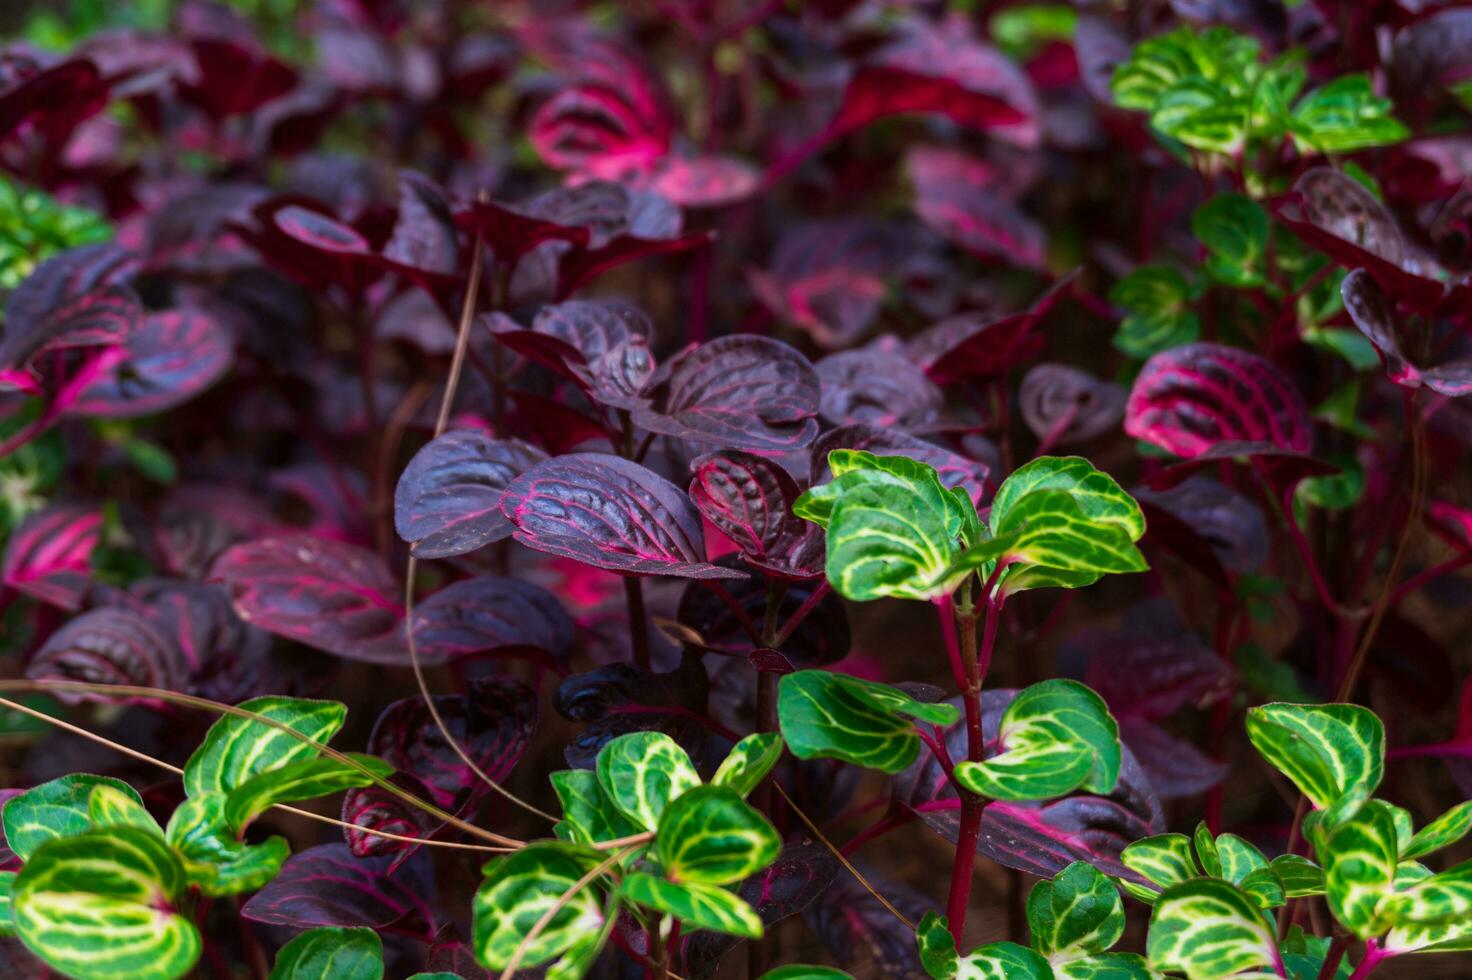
(35, 226)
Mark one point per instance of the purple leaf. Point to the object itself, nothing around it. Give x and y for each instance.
(749, 499)
(860, 932)
(448, 501)
(235, 79)
(1227, 521)
(955, 470)
(225, 658)
(1374, 314)
(424, 237)
(742, 391)
(1153, 673)
(49, 556)
(1063, 405)
(327, 886)
(704, 181)
(326, 594)
(169, 359)
(109, 646)
(1039, 838)
(972, 345)
(569, 337)
(61, 96)
(1174, 766)
(486, 613)
(619, 698)
(196, 522)
(63, 279)
(104, 317)
(609, 513)
(878, 387)
(511, 232)
(1190, 399)
(978, 218)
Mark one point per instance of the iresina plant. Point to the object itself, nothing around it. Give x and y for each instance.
(773, 490)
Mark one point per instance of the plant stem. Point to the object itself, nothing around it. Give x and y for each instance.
(1373, 955)
(974, 665)
(1333, 957)
(638, 621)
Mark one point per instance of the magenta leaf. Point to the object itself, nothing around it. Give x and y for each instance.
(972, 345)
(978, 218)
(326, 594)
(424, 237)
(741, 391)
(485, 614)
(879, 387)
(1193, 398)
(169, 359)
(602, 345)
(594, 129)
(1063, 405)
(109, 646)
(448, 501)
(1375, 315)
(328, 886)
(749, 499)
(198, 521)
(104, 317)
(224, 657)
(1226, 520)
(955, 470)
(704, 181)
(63, 279)
(49, 556)
(609, 513)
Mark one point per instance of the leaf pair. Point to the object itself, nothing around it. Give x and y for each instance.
(1166, 860)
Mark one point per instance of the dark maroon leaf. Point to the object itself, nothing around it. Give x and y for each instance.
(59, 97)
(1039, 838)
(1230, 523)
(326, 594)
(327, 886)
(225, 658)
(1151, 674)
(1064, 405)
(63, 279)
(620, 698)
(1432, 51)
(101, 318)
(235, 79)
(414, 318)
(979, 344)
(109, 646)
(198, 521)
(1190, 399)
(510, 233)
(742, 391)
(448, 501)
(1375, 315)
(977, 218)
(424, 236)
(821, 639)
(603, 345)
(169, 359)
(955, 470)
(609, 513)
(749, 499)
(1174, 766)
(878, 387)
(580, 267)
(488, 613)
(859, 931)
(49, 556)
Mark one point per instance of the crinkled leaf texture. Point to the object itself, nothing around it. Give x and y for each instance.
(328, 886)
(448, 499)
(833, 716)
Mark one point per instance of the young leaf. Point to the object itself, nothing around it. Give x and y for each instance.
(1343, 116)
(304, 779)
(748, 762)
(832, 716)
(643, 772)
(235, 748)
(937, 947)
(697, 906)
(1056, 737)
(109, 806)
(98, 906)
(1441, 898)
(517, 890)
(1004, 961)
(1234, 229)
(1158, 314)
(1330, 751)
(1444, 831)
(709, 835)
(1206, 928)
(331, 954)
(1359, 855)
(56, 809)
(1163, 860)
(588, 814)
(215, 860)
(1077, 913)
(327, 886)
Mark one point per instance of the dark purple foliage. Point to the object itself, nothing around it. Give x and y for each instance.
(328, 886)
(448, 501)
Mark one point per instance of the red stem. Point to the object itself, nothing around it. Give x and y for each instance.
(1373, 955)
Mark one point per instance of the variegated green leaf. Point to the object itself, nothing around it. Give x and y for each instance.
(1234, 229)
(1444, 831)
(697, 906)
(215, 860)
(331, 954)
(1442, 898)
(304, 779)
(748, 762)
(1206, 852)
(1360, 856)
(1055, 737)
(1299, 876)
(578, 961)
(1048, 541)
(1163, 860)
(1304, 956)
(1158, 315)
(1343, 116)
(1329, 751)
(7, 916)
(588, 815)
(805, 971)
(56, 809)
(642, 772)
(711, 836)
(1105, 966)
(825, 715)
(1003, 961)
(1099, 498)
(1237, 858)
(1207, 929)
(1076, 914)
(519, 888)
(99, 906)
(109, 806)
(937, 947)
(235, 749)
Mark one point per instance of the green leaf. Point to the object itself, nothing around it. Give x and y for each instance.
(1158, 316)
(235, 749)
(833, 716)
(1333, 491)
(1234, 229)
(1162, 860)
(1206, 928)
(98, 906)
(697, 906)
(642, 772)
(1203, 115)
(1343, 116)
(7, 916)
(1359, 856)
(519, 888)
(1329, 751)
(215, 860)
(1077, 913)
(804, 971)
(937, 947)
(711, 836)
(1098, 496)
(1105, 966)
(1304, 956)
(588, 815)
(109, 806)
(1442, 898)
(1050, 534)
(1055, 737)
(1444, 831)
(1004, 961)
(748, 762)
(1159, 63)
(54, 810)
(331, 954)
(1238, 858)
(1299, 876)
(305, 779)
